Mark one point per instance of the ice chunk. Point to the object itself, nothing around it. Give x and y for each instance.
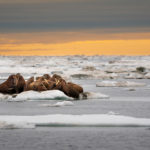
(45, 95)
(93, 95)
(134, 76)
(147, 76)
(5, 97)
(18, 125)
(82, 76)
(59, 104)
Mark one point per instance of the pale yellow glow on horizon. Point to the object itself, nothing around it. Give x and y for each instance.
(97, 47)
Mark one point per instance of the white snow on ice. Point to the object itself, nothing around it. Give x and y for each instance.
(45, 95)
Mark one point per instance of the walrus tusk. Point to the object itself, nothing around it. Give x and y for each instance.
(46, 81)
(10, 88)
(57, 81)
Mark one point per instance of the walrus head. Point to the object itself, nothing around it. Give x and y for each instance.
(47, 76)
(19, 77)
(13, 81)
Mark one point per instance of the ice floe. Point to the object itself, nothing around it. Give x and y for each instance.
(93, 95)
(99, 120)
(147, 76)
(33, 95)
(49, 95)
(134, 76)
(119, 84)
(5, 97)
(59, 104)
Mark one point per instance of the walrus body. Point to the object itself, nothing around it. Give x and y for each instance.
(72, 90)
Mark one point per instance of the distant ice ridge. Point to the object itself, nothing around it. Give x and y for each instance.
(48, 95)
(119, 84)
(99, 120)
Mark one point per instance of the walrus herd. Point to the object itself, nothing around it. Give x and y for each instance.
(16, 84)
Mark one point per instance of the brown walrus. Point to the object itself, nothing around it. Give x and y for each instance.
(50, 85)
(14, 84)
(19, 87)
(47, 77)
(41, 84)
(46, 81)
(8, 87)
(76, 86)
(56, 76)
(70, 89)
(28, 82)
(34, 85)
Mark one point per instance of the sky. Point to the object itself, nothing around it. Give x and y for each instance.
(72, 27)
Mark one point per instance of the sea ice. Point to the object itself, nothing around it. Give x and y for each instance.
(59, 104)
(45, 95)
(93, 95)
(119, 84)
(101, 120)
(48, 95)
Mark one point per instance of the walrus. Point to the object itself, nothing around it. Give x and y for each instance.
(77, 87)
(19, 87)
(28, 82)
(47, 76)
(50, 85)
(41, 84)
(42, 78)
(70, 90)
(36, 86)
(9, 86)
(56, 76)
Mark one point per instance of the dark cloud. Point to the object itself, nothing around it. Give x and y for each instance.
(36, 15)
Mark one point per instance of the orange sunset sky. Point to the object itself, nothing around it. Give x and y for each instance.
(81, 27)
